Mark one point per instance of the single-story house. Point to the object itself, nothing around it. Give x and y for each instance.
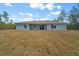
(41, 25)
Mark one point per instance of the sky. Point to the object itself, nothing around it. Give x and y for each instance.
(21, 12)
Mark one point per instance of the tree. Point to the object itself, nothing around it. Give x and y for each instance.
(6, 16)
(62, 15)
(73, 15)
(0, 18)
(11, 21)
(55, 20)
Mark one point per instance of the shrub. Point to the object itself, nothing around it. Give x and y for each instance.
(73, 26)
(7, 26)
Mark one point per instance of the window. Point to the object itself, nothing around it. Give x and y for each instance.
(25, 26)
(53, 26)
(42, 27)
(34, 25)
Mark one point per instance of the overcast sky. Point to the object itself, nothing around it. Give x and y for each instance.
(34, 11)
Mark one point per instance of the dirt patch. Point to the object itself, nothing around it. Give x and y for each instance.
(38, 42)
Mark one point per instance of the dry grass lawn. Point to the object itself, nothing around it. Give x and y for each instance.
(38, 42)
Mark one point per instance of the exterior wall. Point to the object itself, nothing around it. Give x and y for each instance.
(61, 27)
(58, 27)
(21, 27)
(37, 27)
(49, 27)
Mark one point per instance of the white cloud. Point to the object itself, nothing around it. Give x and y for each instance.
(50, 6)
(27, 19)
(29, 14)
(37, 6)
(42, 6)
(49, 15)
(41, 19)
(21, 19)
(26, 14)
(21, 13)
(14, 18)
(37, 15)
(24, 19)
(44, 19)
(8, 4)
(59, 7)
(55, 13)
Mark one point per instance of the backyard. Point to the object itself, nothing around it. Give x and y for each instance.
(39, 42)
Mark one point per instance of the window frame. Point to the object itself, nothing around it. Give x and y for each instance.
(53, 26)
(25, 26)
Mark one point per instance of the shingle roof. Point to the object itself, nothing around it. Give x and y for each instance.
(40, 22)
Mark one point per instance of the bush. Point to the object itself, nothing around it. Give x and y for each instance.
(10, 26)
(7, 26)
(73, 27)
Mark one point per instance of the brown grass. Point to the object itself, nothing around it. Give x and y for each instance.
(37, 42)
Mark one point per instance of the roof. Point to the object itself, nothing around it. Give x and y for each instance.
(40, 22)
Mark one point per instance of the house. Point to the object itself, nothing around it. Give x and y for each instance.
(41, 25)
